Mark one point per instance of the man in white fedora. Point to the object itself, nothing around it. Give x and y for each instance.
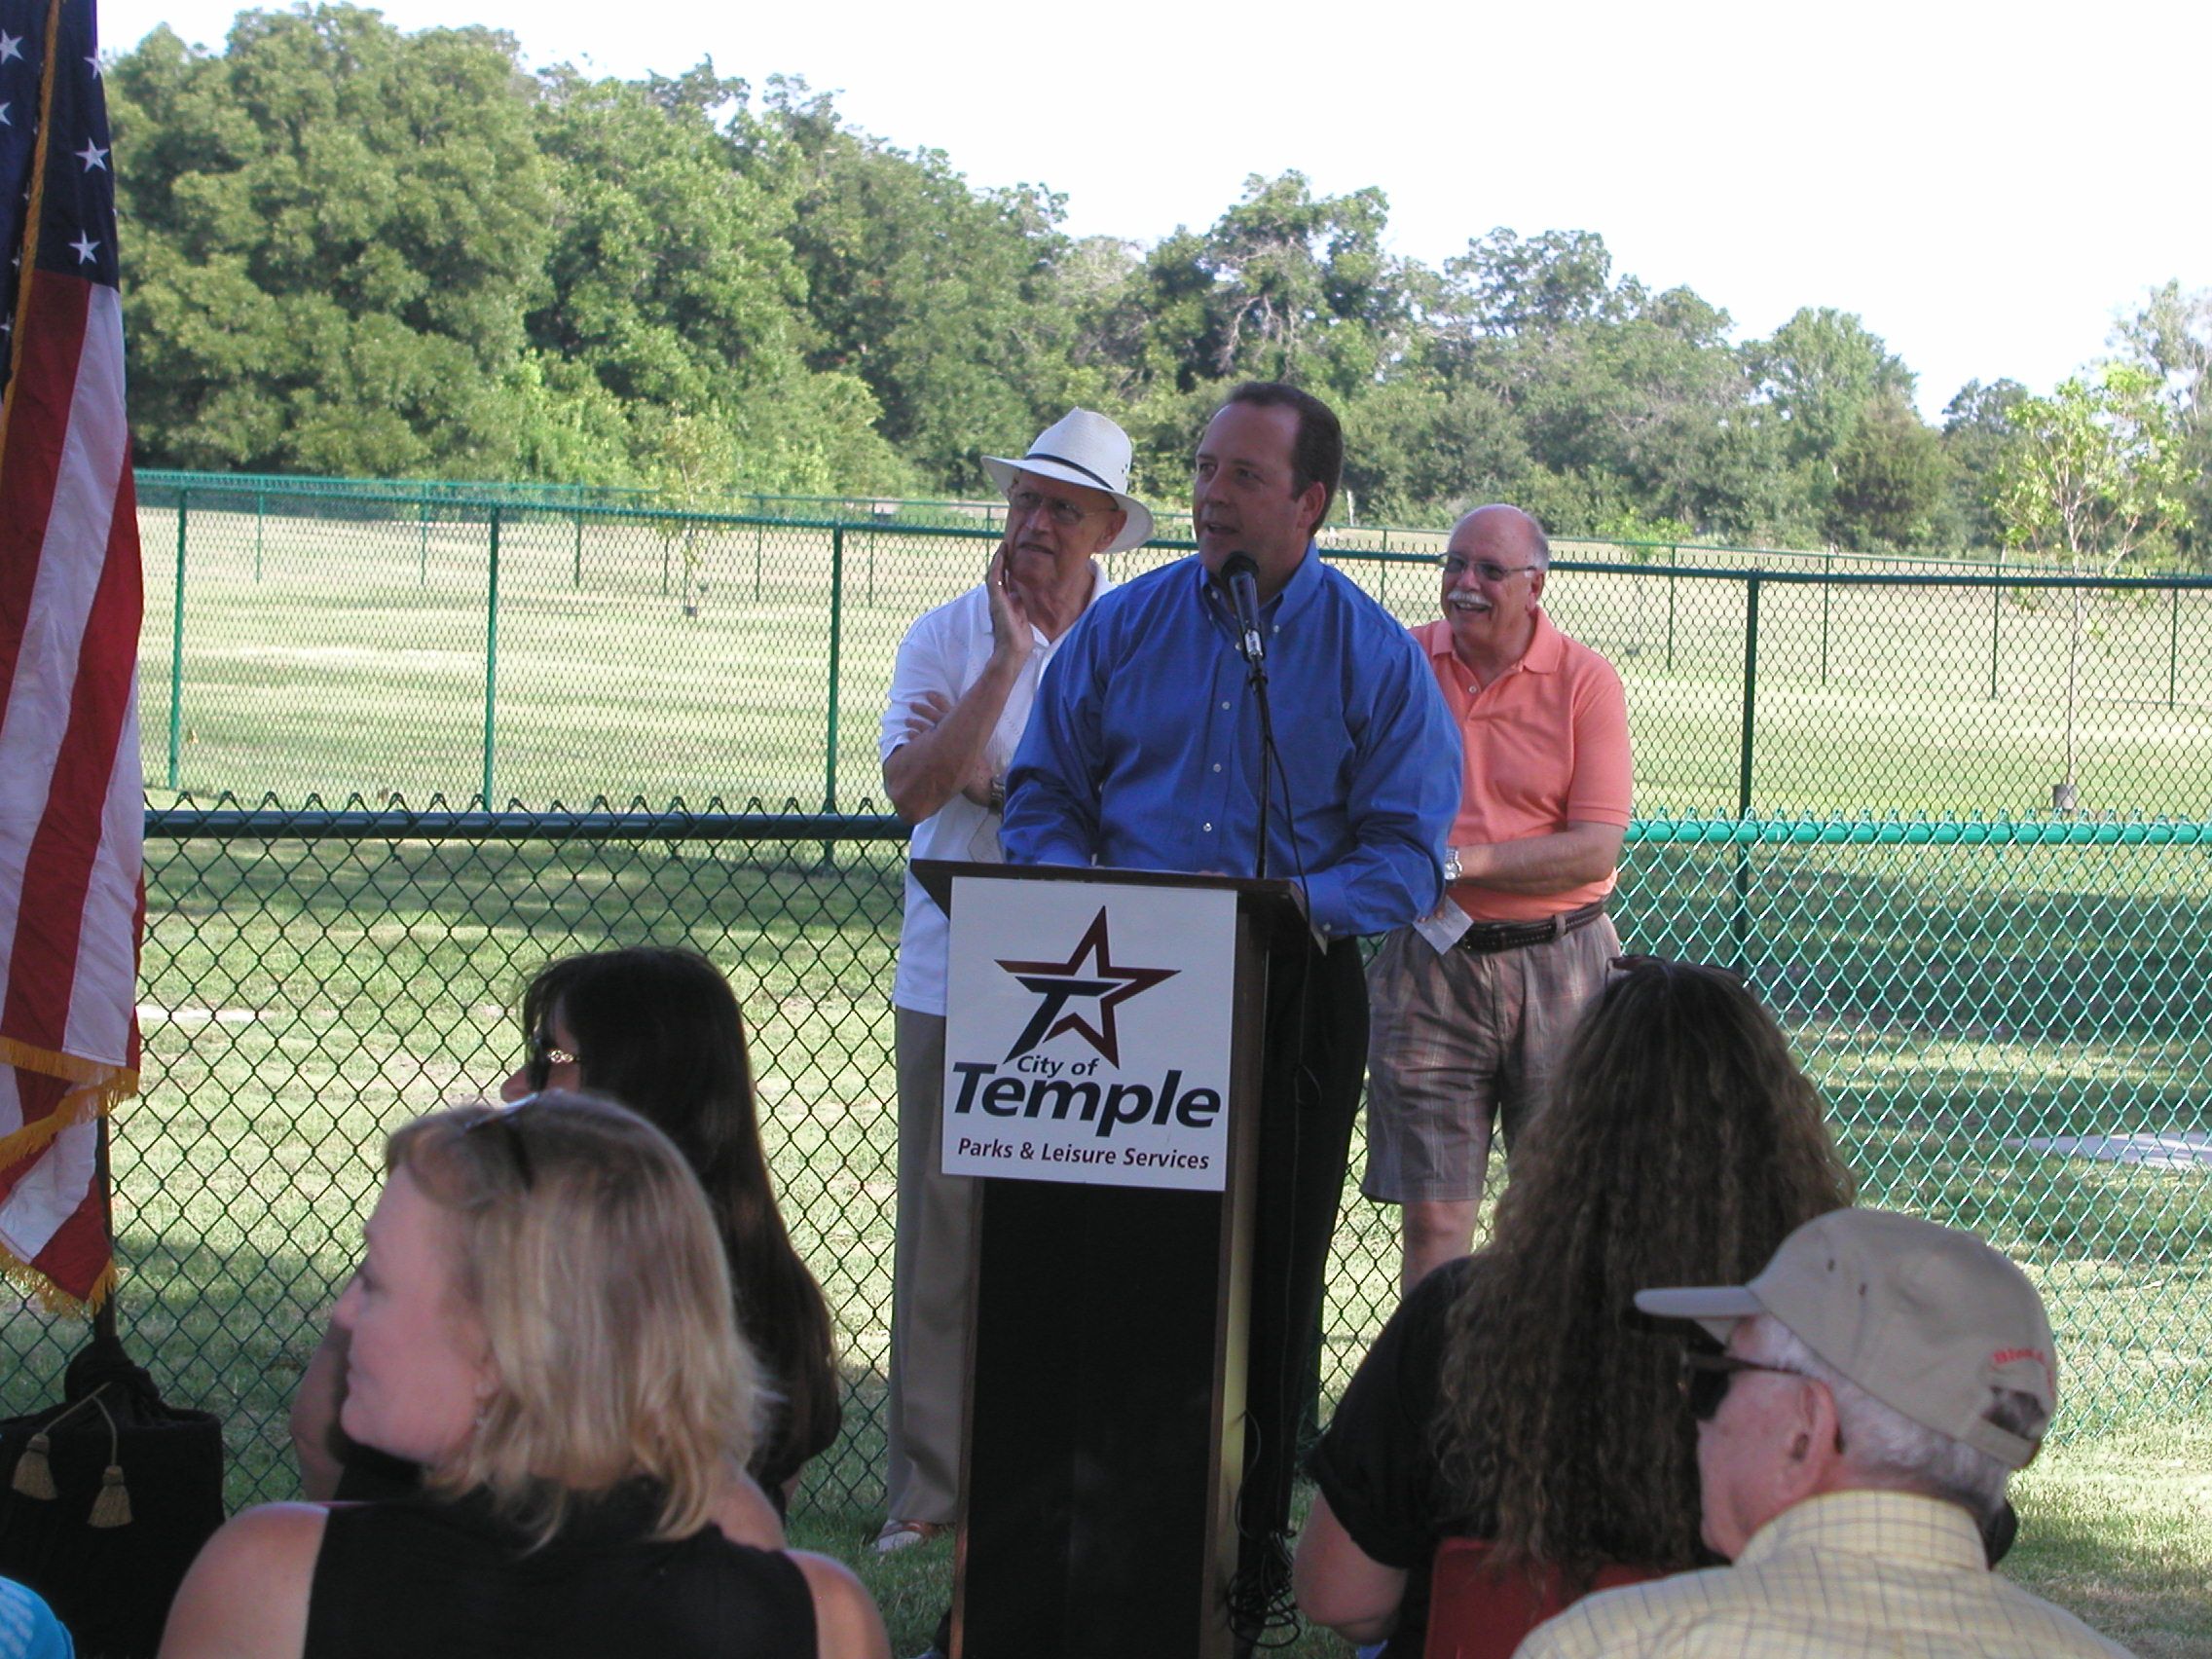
(961, 691)
(1882, 1379)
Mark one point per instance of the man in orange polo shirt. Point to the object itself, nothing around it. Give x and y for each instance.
(1471, 1006)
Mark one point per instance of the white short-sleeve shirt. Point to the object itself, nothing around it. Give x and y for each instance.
(945, 651)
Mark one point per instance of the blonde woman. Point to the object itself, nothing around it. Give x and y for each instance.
(543, 1321)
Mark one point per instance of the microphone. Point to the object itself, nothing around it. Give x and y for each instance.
(1243, 578)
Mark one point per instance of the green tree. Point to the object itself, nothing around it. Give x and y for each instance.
(1977, 425)
(1815, 376)
(942, 298)
(674, 288)
(335, 232)
(2092, 477)
(2172, 336)
(1891, 477)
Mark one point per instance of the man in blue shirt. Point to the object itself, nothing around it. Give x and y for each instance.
(1143, 753)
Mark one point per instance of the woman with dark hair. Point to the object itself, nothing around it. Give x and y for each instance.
(659, 1030)
(541, 1324)
(1516, 1396)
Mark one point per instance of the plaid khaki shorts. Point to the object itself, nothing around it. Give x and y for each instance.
(1458, 1042)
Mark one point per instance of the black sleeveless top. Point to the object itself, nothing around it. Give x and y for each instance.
(448, 1580)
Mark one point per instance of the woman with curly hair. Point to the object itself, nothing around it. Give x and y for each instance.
(1516, 1396)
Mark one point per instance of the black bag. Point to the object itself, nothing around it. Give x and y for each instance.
(105, 1499)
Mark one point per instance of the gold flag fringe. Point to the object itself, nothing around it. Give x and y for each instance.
(99, 1088)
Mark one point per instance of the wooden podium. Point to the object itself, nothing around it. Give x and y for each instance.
(1105, 1443)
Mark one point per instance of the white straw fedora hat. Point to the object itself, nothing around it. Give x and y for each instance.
(1088, 449)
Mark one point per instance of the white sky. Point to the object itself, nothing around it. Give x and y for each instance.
(1984, 184)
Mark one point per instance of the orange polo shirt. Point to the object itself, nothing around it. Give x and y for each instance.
(1543, 746)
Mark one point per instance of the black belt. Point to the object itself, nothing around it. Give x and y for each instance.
(1487, 938)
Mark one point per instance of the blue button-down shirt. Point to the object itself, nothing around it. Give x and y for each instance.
(1143, 751)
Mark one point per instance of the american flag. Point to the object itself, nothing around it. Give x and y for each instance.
(72, 801)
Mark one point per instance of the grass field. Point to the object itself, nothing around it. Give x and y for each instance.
(357, 662)
(302, 997)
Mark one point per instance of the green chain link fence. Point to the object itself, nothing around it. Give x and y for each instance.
(1984, 1000)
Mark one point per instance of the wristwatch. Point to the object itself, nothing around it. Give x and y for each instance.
(998, 794)
(1451, 865)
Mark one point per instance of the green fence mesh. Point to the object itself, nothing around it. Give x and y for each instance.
(2004, 1013)
(412, 645)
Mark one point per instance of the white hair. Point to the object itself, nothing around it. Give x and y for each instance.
(1880, 1442)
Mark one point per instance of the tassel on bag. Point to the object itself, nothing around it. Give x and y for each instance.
(111, 1505)
(34, 1470)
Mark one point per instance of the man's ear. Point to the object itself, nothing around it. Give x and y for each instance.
(1816, 1455)
(1313, 506)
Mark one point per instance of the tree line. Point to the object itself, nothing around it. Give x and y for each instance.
(354, 251)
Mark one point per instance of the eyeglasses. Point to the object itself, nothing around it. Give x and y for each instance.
(1066, 514)
(1705, 1380)
(501, 1124)
(1488, 570)
(540, 1054)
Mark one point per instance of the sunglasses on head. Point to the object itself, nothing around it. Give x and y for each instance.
(502, 1126)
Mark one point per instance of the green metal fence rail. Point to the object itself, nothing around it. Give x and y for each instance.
(531, 653)
(292, 493)
(1984, 1004)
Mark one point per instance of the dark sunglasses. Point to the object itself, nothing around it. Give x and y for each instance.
(502, 1126)
(1705, 1380)
(540, 1054)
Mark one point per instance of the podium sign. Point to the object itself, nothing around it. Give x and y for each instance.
(1088, 1040)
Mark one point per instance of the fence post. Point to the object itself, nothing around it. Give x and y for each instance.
(836, 650)
(422, 551)
(1673, 564)
(759, 535)
(490, 652)
(177, 645)
(1828, 586)
(2173, 644)
(1996, 609)
(871, 572)
(257, 499)
(1740, 923)
(577, 569)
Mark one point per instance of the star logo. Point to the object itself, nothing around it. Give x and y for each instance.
(92, 156)
(1090, 974)
(86, 247)
(11, 46)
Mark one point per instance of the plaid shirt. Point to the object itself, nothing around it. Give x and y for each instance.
(1849, 1575)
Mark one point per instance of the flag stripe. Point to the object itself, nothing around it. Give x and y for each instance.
(45, 793)
(72, 891)
(52, 336)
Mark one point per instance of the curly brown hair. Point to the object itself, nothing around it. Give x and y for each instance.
(1680, 1146)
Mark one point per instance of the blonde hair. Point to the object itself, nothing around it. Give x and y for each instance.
(590, 1260)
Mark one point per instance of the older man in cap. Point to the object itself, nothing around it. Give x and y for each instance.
(1882, 1379)
(960, 696)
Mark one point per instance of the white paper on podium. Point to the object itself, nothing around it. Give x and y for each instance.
(1086, 1033)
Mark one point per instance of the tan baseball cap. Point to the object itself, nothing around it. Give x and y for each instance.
(1928, 1319)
